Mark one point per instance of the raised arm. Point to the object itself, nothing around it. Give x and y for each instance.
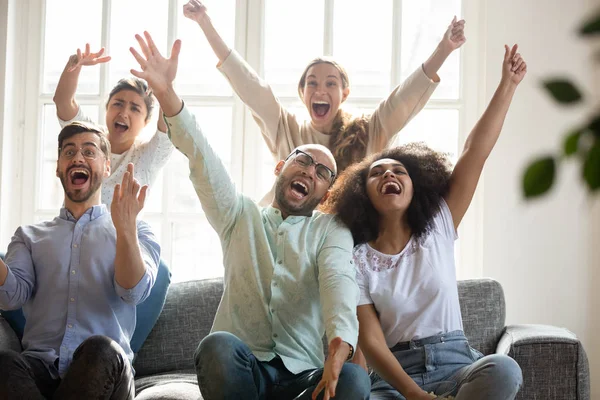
(64, 96)
(378, 355)
(215, 189)
(483, 137)
(409, 98)
(128, 200)
(196, 11)
(454, 37)
(250, 88)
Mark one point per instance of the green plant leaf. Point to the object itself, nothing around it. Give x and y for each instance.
(539, 177)
(563, 91)
(591, 27)
(591, 167)
(594, 126)
(572, 142)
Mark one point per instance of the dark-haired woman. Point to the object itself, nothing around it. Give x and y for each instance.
(323, 87)
(403, 206)
(128, 111)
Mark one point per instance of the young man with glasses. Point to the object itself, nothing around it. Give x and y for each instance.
(79, 278)
(289, 277)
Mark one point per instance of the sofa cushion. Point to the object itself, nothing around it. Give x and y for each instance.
(186, 319)
(179, 385)
(483, 313)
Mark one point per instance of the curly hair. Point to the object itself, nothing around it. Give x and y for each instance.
(349, 136)
(429, 171)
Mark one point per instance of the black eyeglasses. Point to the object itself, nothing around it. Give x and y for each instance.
(304, 160)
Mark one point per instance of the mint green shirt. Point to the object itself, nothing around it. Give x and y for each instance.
(287, 282)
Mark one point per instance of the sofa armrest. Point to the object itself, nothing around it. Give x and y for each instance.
(552, 359)
(8, 337)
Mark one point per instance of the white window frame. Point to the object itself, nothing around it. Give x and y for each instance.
(23, 58)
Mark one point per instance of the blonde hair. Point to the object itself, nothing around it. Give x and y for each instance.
(348, 136)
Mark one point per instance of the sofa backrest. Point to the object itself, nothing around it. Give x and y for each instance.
(191, 306)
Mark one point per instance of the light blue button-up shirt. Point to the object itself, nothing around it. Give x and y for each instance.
(62, 273)
(287, 282)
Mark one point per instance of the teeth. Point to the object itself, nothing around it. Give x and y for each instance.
(386, 185)
(121, 124)
(321, 103)
(81, 171)
(301, 184)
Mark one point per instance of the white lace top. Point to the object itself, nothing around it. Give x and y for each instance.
(415, 291)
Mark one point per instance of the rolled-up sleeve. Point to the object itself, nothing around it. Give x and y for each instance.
(150, 250)
(337, 284)
(20, 280)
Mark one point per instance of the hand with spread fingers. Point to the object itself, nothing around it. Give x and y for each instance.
(157, 70)
(86, 58)
(514, 68)
(337, 356)
(128, 201)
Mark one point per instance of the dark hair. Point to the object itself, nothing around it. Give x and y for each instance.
(429, 171)
(138, 86)
(348, 136)
(75, 128)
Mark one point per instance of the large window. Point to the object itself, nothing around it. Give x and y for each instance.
(380, 43)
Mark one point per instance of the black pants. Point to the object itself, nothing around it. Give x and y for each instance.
(99, 370)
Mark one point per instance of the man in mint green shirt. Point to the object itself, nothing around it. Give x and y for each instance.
(289, 276)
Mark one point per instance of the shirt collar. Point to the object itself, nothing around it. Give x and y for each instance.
(93, 212)
(275, 215)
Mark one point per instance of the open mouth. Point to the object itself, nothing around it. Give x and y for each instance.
(79, 176)
(320, 108)
(390, 188)
(121, 127)
(299, 189)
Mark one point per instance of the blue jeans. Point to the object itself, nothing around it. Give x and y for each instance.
(441, 362)
(227, 370)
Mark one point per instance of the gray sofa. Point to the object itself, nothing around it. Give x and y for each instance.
(553, 361)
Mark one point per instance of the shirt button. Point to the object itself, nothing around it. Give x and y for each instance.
(279, 262)
(276, 211)
(274, 283)
(280, 233)
(75, 245)
(272, 310)
(274, 335)
(70, 326)
(72, 299)
(73, 272)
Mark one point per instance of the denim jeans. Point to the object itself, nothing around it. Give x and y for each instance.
(99, 370)
(227, 370)
(446, 363)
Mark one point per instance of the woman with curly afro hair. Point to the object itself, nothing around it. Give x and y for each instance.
(403, 207)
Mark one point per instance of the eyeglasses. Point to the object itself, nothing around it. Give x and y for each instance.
(305, 161)
(88, 151)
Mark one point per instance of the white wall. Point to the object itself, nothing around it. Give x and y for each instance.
(545, 252)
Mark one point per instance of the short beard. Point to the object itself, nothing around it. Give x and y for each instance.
(305, 209)
(78, 196)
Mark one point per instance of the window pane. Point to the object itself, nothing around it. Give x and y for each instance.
(437, 128)
(85, 18)
(286, 55)
(423, 26)
(266, 177)
(197, 73)
(197, 250)
(129, 17)
(215, 123)
(362, 42)
(51, 191)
